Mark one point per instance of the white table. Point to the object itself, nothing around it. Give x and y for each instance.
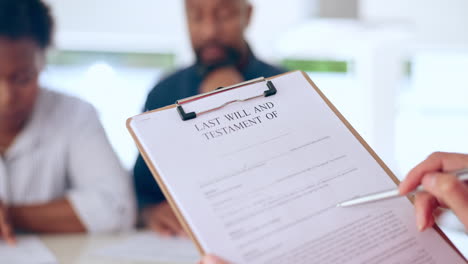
(81, 248)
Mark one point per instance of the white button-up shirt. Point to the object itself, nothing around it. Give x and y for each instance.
(63, 152)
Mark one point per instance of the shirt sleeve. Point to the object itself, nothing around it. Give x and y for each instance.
(101, 191)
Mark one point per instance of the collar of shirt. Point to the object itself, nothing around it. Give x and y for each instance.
(29, 137)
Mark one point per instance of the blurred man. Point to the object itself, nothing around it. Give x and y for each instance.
(58, 172)
(223, 58)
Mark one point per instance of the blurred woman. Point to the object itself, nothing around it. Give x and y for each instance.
(58, 172)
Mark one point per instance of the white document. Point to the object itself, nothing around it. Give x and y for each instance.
(28, 250)
(147, 246)
(258, 182)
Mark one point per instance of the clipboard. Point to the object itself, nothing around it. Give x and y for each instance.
(270, 90)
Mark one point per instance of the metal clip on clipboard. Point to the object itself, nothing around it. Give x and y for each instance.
(187, 116)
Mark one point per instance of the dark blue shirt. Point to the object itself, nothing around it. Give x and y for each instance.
(179, 85)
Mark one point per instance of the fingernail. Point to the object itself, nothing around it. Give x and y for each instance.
(419, 222)
(420, 227)
(429, 180)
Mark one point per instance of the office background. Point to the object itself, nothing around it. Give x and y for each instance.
(396, 69)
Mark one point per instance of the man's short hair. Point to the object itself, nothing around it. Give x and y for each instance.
(26, 19)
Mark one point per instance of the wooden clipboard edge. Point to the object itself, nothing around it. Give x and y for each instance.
(161, 183)
(372, 153)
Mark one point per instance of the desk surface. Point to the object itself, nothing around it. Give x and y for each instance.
(81, 248)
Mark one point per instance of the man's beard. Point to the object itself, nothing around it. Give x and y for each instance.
(232, 58)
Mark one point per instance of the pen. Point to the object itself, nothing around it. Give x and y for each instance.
(462, 175)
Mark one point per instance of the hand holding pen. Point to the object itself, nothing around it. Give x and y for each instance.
(441, 189)
(436, 182)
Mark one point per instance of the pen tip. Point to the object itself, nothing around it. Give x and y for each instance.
(338, 205)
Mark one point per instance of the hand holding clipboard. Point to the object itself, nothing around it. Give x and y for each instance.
(247, 184)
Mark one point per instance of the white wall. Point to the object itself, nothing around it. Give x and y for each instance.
(434, 22)
(274, 17)
(160, 26)
(338, 8)
(137, 25)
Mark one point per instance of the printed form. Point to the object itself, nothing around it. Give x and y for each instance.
(258, 181)
(146, 246)
(28, 250)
